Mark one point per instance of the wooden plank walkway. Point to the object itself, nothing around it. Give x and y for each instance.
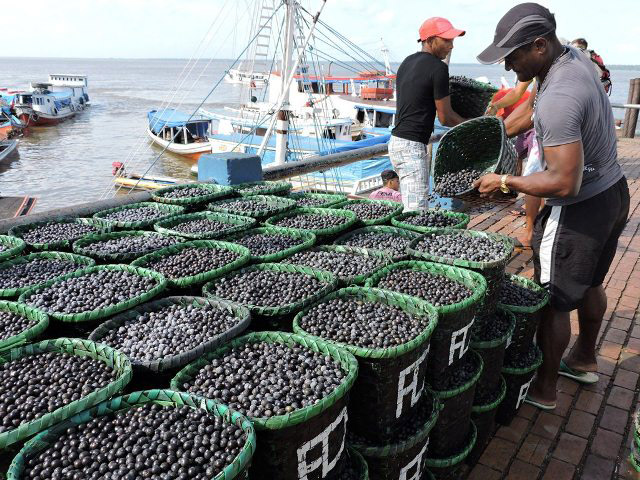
(588, 436)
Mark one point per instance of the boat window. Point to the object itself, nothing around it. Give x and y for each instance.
(360, 115)
(329, 133)
(384, 120)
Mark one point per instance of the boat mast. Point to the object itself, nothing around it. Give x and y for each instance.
(282, 123)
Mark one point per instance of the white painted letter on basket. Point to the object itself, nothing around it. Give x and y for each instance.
(524, 389)
(412, 388)
(327, 464)
(417, 463)
(459, 343)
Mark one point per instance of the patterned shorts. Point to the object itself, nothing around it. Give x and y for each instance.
(411, 162)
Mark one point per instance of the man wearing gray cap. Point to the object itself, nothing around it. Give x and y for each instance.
(576, 233)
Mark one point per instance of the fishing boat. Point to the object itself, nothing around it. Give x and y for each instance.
(180, 133)
(52, 102)
(135, 181)
(7, 147)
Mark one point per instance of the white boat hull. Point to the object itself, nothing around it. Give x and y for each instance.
(189, 150)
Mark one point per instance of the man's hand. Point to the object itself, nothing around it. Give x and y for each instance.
(488, 184)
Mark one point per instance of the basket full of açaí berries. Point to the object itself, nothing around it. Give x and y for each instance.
(260, 333)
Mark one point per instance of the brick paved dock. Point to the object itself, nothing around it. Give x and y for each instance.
(588, 435)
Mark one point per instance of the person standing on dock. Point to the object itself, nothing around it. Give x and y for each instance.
(576, 233)
(422, 89)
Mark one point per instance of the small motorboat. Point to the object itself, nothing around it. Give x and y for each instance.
(135, 181)
(7, 147)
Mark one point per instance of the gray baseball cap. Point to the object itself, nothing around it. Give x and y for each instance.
(519, 26)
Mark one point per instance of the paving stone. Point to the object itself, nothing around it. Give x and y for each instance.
(606, 444)
(600, 386)
(614, 419)
(522, 471)
(616, 336)
(515, 431)
(626, 379)
(482, 472)
(589, 401)
(498, 454)
(558, 470)
(547, 425)
(534, 449)
(570, 448)
(620, 397)
(580, 423)
(596, 468)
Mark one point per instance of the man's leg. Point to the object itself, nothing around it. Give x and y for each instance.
(532, 208)
(554, 332)
(583, 354)
(410, 160)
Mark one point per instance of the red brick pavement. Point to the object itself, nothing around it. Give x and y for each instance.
(589, 435)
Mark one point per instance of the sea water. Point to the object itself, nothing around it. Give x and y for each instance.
(72, 162)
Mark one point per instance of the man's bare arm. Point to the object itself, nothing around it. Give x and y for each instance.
(520, 119)
(447, 116)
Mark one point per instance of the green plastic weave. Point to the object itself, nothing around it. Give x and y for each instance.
(273, 206)
(470, 98)
(126, 402)
(472, 280)
(500, 340)
(14, 245)
(74, 346)
(341, 356)
(526, 283)
(327, 278)
(180, 359)
(41, 318)
(410, 305)
(444, 394)
(216, 191)
(462, 218)
(457, 458)
(329, 199)
(494, 404)
(275, 188)
(80, 246)
(401, 232)
(351, 219)
(168, 210)
(397, 209)
(362, 252)
(238, 223)
(480, 143)
(19, 230)
(383, 451)
(182, 282)
(108, 311)
(14, 292)
(458, 262)
(308, 239)
(524, 370)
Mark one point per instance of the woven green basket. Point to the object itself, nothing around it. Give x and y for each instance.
(344, 358)
(327, 278)
(487, 407)
(480, 143)
(524, 370)
(41, 320)
(360, 252)
(307, 240)
(13, 246)
(136, 399)
(396, 210)
(81, 246)
(74, 346)
(323, 200)
(458, 262)
(180, 359)
(182, 282)
(167, 210)
(472, 280)
(82, 261)
(382, 229)
(505, 338)
(454, 460)
(270, 205)
(350, 216)
(20, 230)
(410, 305)
(526, 283)
(236, 223)
(398, 221)
(360, 463)
(216, 191)
(107, 311)
(270, 188)
(470, 98)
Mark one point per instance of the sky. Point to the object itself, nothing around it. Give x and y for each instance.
(219, 28)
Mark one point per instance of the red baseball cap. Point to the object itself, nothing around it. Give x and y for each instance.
(438, 27)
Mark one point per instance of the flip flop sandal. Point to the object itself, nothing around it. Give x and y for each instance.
(518, 212)
(541, 406)
(518, 244)
(586, 378)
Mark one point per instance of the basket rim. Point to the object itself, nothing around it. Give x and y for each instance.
(487, 407)
(308, 240)
(337, 198)
(283, 204)
(217, 191)
(19, 230)
(445, 394)
(531, 285)
(351, 219)
(31, 332)
(239, 223)
(277, 186)
(80, 245)
(397, 221)
(396, 207)
(346, 360)
(457, 458)
(169, 209)
(484, 344)
(524, 370)
(389, 298)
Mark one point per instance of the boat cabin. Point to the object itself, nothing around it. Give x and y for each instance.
(179, 127)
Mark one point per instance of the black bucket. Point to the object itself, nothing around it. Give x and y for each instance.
(450, 431)
(405, 459)
(484, 416)
(446, 468)
(492, 353)
(518, 381)
(527, 317)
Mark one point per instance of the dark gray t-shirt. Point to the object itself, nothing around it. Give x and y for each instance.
(572, 106)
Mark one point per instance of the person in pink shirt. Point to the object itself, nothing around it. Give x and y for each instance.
(390, 187)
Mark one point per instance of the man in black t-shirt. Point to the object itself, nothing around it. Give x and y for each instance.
(422, 90)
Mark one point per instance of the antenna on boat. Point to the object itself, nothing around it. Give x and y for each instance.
(281, 118)
(385, 55)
